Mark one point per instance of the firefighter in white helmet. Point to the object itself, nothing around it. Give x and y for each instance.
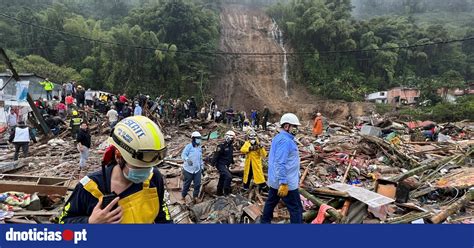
(193, 166)
(223, 158)
(135, 184)
(283, 171)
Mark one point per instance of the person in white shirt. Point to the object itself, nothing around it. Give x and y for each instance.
(11, 120)
(20, 137)
(113, 116)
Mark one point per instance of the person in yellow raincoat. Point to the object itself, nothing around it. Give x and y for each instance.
(254, 152)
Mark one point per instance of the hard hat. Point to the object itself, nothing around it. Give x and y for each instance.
(230, 133)
(74, 113)
(139, 140)
(290, 119)
(195, 134)
(252, 134)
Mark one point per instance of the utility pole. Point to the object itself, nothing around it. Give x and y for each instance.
(36, 112)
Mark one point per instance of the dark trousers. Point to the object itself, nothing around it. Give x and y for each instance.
(188, 178)
(292, 202)
(264, 124)
(24, 147)
(49, 95)
(261, 186)
(225, 178)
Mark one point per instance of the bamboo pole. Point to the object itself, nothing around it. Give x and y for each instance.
(453, 208)
(332, 212)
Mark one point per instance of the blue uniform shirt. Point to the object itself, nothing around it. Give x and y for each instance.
(195, 155)
(283, 162)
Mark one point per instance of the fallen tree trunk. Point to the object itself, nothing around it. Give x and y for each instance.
(453, 208)
(403, 157)
(429, 166)
(332, 212)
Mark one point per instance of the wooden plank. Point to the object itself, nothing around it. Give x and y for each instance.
(36, 213)
(30, 189)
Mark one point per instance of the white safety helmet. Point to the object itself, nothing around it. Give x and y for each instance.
(290, 119)
(195, 134)
(230, 133)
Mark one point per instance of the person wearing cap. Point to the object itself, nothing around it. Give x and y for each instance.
(193, 166)
(134, 179)
(48, 87)
(283, 171)
(20, 136)
(224, 158)
(254, 152)
(318, 125)
(75, 123)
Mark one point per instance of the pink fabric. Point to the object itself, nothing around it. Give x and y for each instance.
(321, 214)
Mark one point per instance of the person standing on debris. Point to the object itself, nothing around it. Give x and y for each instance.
(112, 115)
(223, 158)
(138, 110)
(69, 103)
(84, 144)
(254, 153)
(283, 171)
(75, 123)
(80, 96)
(89, 97)
(193, 108)
(318, 125)
(48, 87)
(265, 115)
(20, 137)
(134, 180)
(193, 166)
(11, 120)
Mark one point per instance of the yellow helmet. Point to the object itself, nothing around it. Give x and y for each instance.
(139, 141)
(74, 113)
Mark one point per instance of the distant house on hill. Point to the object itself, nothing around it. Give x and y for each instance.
(403, 95)
(377, 97)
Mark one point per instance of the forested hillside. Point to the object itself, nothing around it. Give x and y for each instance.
(320, 30)
(133, 46)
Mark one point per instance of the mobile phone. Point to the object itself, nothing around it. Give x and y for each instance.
(107, 199)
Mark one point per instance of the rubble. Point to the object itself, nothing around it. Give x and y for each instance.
(419, 181)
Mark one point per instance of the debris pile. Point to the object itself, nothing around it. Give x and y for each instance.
(371, 171)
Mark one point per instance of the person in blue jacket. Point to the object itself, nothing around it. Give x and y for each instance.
(193, 166)
(283, 172)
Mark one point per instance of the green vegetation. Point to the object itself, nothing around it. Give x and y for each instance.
(161, 29)
(463, 109)
(317, 27)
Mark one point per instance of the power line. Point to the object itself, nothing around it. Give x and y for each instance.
(233, 53)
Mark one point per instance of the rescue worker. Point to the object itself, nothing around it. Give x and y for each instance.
(318, 125)
(135, 180)
(224, 158)
(75, 123)
(254, 152)
(283, 171)
(20, 137)
(193, 166)
(266, 115)
(48, 87)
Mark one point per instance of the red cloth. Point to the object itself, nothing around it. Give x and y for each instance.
(321, 214)
(123, 99)
(69, 100)
(61, 106)
(109, 155)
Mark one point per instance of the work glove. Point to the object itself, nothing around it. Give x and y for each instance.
(283, 190)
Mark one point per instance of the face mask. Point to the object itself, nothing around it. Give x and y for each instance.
(137, 175)
(294, 131)
(252, 142)
(197, 141)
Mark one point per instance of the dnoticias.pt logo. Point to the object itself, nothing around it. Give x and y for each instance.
(46, 235)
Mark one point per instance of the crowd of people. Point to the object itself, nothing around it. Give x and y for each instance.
(134, 191)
